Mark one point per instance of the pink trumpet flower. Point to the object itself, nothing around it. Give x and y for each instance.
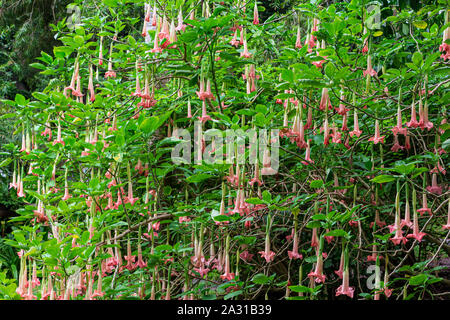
(424, 123)
(342, 110)
(434, 188)
(314, 238)
(58, 137)
(326, 131)
(340, 272)
(189, 110)
(267, 253)
(325, 100)
(155, 16)
(100, 52)
(345, 289)
(424, 206)
(140, 263)
(374, 255)
(91, 85)
(416, 231)
(137, 92)
(336, 135)
(246, 256)
(447, 226)
(413, 123)
(156, 47)
(208, 94)
(369, 71)
(201, 94)
(99, 292)
(130, 258)
(234, 41)
(294, 253)
(227, 275)
(66, 192)
(317, 274)
(308, 159)
(256, 178)
(245, 53)
(356, 131)
(110, 73)
(344, 122)
(205, 117)
(377, 138)
(407, 221)
(445, 47)
(181, 26)
(398, 238)
(396, 146)
(398, 128)
(147, 14)
(255, 15)
(298, 41)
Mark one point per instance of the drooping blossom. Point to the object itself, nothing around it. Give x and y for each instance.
(325, 100)
(398, 238)
(434, 188)
(356, 131)
(398, 128)
(245, 53)
(205, 117)
(345, 288)
(317, 274)
(110, 73)
(298, 41)
(416, 231)
(373, 257)
(130, 258)
(227, 274)
(267, 253)
(447, 226)
(413, 123)
(396, 146)
(181, 26)
(369, 71)
(256, 179)
(445, 47)
(308, 159)
(424, 205)
(424, 123)
(294, 254)
(377, 138)
(255, 14)
(91, 85)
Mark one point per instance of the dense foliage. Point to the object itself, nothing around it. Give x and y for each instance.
(354, 202)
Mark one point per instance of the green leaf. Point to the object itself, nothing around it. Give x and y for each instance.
(383, 179)
(418, 279)
(260, 279)
(337, 233)
(287, 75)
(420, 24)
(38, 65)
(267, 197)
(417, 59)
(111, 3)
(5, 162)
(301, 289)
(149, 124)
(20, 99)
(315, 184)
(232, 294)
(199, 177)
